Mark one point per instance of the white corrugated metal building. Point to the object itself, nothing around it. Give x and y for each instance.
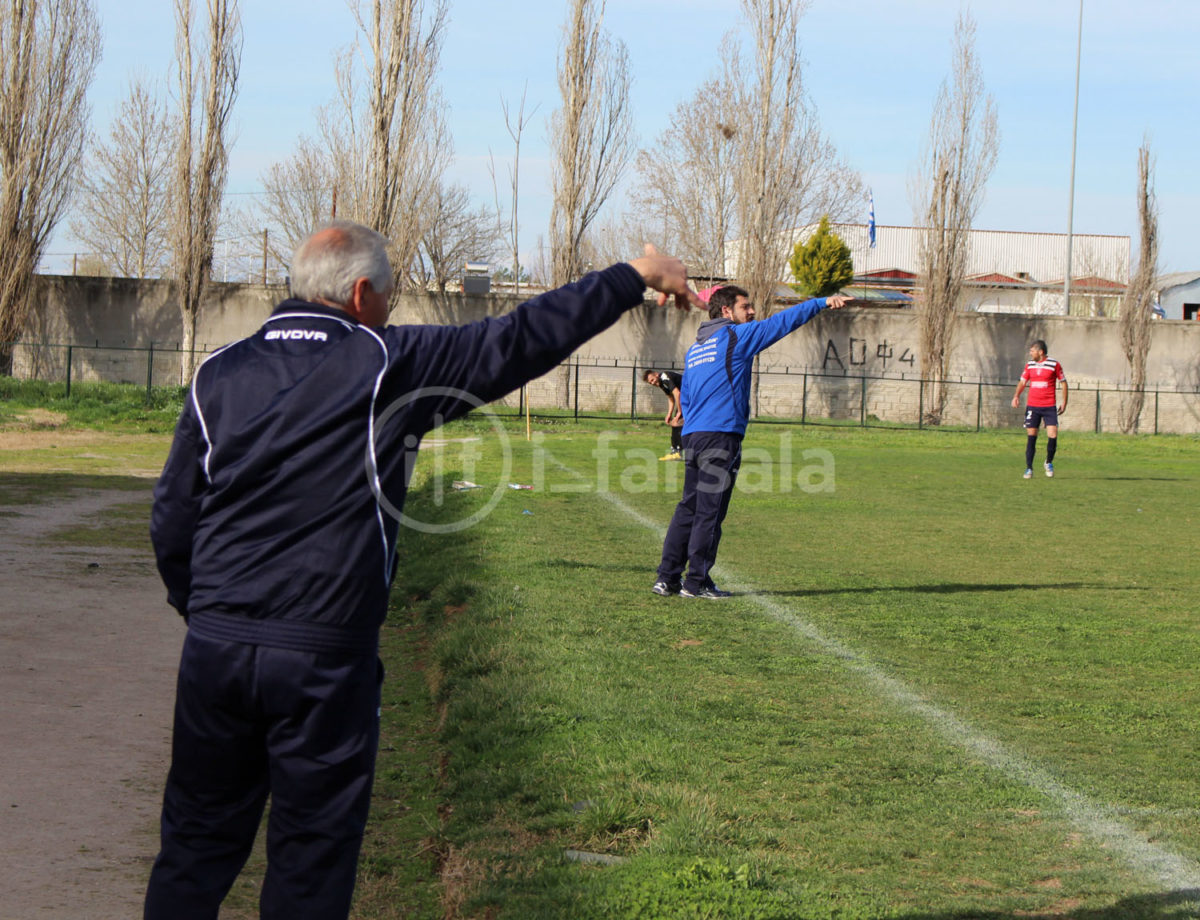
(1179, 295)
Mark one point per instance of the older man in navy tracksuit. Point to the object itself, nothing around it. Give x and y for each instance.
(274, 525)
(716, 410)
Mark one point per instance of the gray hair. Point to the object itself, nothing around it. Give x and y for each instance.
(334, 256)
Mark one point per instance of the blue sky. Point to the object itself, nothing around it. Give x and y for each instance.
(872, 66)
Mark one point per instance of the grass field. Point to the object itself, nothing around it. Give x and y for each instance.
(940, 692)
(945, 692)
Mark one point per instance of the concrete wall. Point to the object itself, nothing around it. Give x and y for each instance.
(990, 348)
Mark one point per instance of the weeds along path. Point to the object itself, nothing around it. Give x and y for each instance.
(88, 651)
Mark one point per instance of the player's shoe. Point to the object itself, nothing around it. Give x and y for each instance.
(1050, 470)
(717, 591)
(663, 589)
(1029, 474)
(708, 593)
(673, 455)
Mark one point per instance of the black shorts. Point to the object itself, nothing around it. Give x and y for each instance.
(1035, 415)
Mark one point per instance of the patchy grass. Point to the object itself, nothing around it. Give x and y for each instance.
(103, 432)
(120, 526)
(121, 407)
(30, 488)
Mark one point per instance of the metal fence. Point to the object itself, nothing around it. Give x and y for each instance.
(589, 388)
(152, 366)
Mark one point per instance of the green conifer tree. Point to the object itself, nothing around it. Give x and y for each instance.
(822, 266)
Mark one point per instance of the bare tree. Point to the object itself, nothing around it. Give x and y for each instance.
(298, 194)
(591, 133)
(123, 205)
(1136, 305)
(516, 128)
(202, 154)
(388, 136)
(381, 146)
(455, 232)
(619, 233)
(787, 172)
(48, 51)
(541, 267)
(959, 158)
(686, 180)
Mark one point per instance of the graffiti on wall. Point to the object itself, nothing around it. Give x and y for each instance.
(858, 353)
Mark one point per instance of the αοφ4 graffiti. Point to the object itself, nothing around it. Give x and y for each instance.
(857, 355)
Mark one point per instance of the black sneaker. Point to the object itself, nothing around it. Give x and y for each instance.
(709, 593)
(663, 589)
(717, 592)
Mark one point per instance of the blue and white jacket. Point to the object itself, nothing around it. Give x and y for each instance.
(716, 380)
(271, 520)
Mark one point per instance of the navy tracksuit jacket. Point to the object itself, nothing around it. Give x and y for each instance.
(273, 537)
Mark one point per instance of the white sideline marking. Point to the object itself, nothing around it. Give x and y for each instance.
(1099, 821)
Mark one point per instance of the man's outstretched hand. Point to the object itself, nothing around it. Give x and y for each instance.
(837, 301)
(668, 276)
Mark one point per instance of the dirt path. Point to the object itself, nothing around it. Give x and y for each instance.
(88, 650)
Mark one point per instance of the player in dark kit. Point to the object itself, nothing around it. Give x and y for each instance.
(670, 382)
(1041, 375)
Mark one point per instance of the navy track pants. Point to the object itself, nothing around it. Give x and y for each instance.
(712, 460)
(253, 721)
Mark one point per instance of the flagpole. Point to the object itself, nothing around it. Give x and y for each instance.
(871, 219)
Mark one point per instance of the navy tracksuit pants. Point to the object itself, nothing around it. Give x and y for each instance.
(712, 460)
(253, 721)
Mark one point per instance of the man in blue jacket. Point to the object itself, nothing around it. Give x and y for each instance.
(274, 526)
(716, 409)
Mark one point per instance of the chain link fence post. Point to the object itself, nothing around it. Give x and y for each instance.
(149, 372)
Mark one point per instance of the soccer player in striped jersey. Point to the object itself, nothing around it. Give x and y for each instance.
(1041, 375)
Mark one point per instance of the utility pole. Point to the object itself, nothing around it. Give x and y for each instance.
(1071, 194)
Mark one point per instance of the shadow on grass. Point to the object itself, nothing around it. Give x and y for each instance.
(1173, 905)
(1136, 478)
(592, 566)
(951, 588)
(43, 488)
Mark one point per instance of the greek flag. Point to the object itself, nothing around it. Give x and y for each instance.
(871, 221)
